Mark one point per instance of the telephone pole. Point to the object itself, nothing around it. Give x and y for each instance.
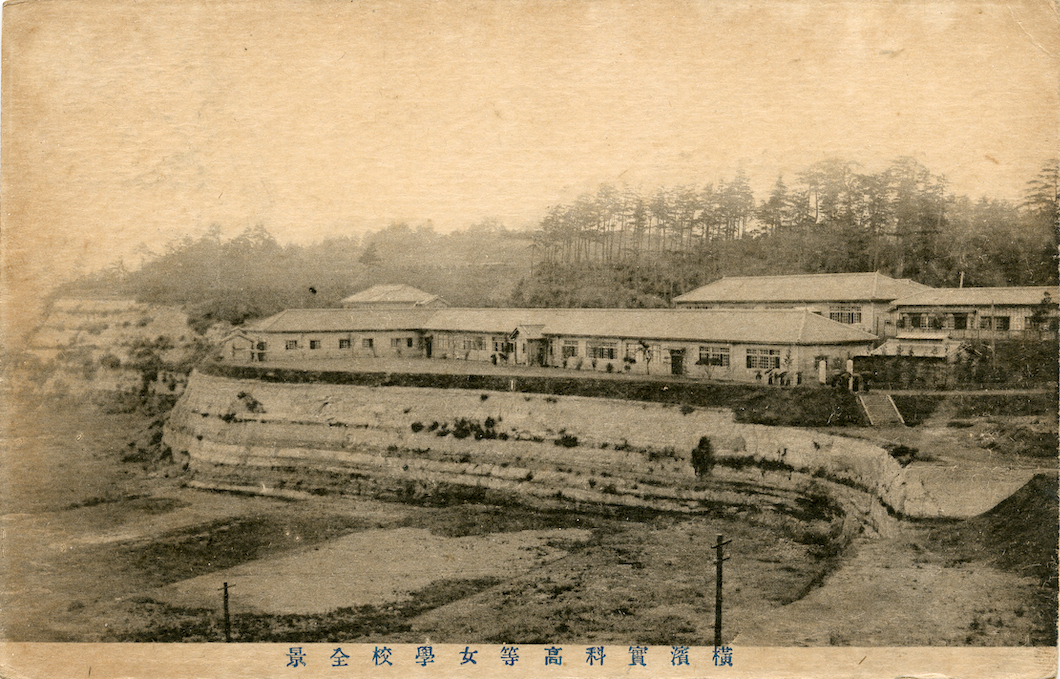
(228, 622)
(717, 593)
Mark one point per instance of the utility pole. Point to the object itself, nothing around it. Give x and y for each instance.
(228, 623)
(717, 594)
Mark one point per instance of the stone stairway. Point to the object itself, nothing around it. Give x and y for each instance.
(880, 409)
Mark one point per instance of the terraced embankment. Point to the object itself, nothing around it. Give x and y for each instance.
(418, 444)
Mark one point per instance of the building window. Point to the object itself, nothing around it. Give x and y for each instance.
(570, 348)
(606, 350)
(845, 313)
(475, 343)
(960, 321)
(1001, 322)
(262, 346)
(291, 345)
(367, 343)
(400, 342)
(314, 344)
(916, 320)
(763, 359)
(344, 344)
(712, 355)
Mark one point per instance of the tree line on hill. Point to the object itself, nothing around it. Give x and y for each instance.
(252, 275)
(622, 248)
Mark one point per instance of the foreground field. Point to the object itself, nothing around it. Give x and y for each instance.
(107, 547)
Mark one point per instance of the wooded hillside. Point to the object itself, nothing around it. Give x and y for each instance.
(626, 248)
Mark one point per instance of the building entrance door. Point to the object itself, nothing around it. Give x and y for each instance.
(677, 361)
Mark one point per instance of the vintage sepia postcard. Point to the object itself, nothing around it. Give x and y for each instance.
(529, 338)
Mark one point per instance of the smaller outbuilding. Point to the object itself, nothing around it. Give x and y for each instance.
(395, 296)
(921, 345)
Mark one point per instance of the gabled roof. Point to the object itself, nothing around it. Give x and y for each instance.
(981, 297)
(340, 320)
(392, 294)
(530, 332)
(828, 287)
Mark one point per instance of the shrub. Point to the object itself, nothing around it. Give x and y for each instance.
(567, 441)
(703, 457)
(253, 405)
(110, 361)
(417, 427)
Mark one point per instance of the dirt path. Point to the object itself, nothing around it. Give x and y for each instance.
(962, 477)
(896, 591)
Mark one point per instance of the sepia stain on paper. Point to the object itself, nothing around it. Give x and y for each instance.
(177, 177)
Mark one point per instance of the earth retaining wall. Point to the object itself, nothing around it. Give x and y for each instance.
(574, 448)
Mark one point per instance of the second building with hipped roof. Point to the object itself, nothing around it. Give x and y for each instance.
(862, 300)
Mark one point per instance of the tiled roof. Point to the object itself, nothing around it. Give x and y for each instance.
(493, 320)
(780, 326)
(837, 287)
(391, 294)
(981, 297)
(774, 326)
(339, 320)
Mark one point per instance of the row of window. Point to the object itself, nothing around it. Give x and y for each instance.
(845, 313)
(474, 343)
(366, 343)
(714, 356)
(763, 359)
(960, 321)
(967, 321)
(709, 355)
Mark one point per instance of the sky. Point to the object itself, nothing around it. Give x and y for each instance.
(127, 124)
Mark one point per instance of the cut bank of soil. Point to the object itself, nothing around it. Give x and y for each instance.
(76, 516)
